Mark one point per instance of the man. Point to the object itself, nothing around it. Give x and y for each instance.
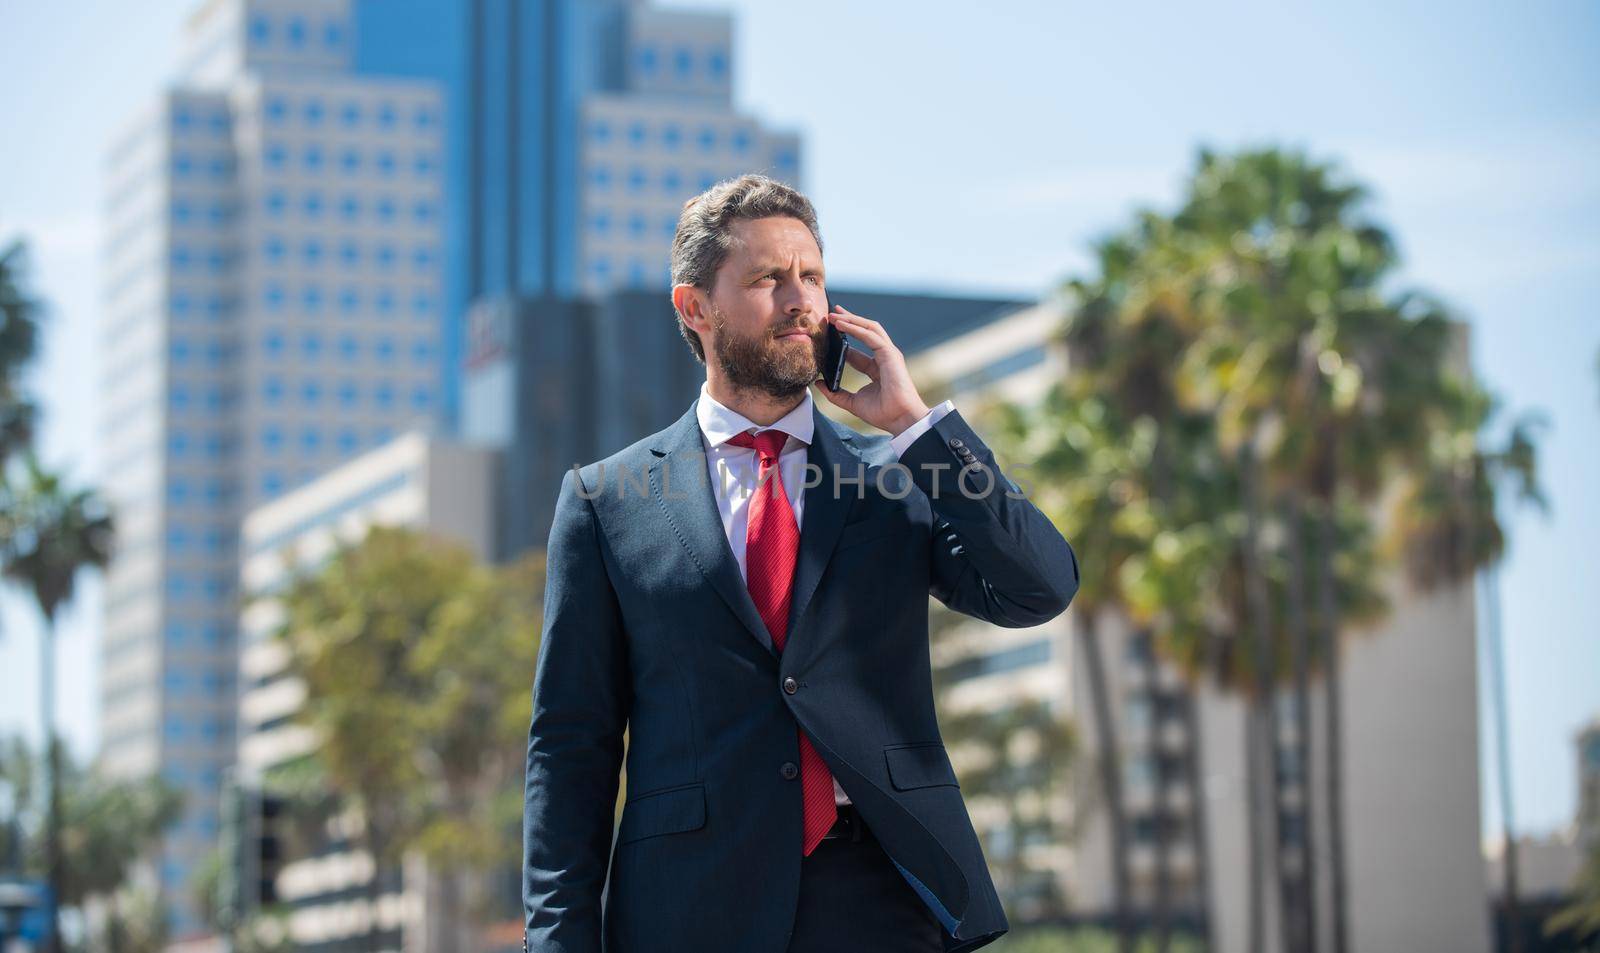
(746, 593)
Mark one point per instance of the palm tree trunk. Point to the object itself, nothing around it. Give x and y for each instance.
(374, 893)
(1252, 775)
(1199, 810)
(1491, 596)
(52, 761)
(1161, 914)
(1306, 908)
(1328, 631)
(1110, 764)
(1265, 852)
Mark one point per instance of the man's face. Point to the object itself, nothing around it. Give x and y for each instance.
(766, 308)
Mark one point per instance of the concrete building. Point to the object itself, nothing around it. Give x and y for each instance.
(295, 229)
(445, 489)
(1410, 762)
(272, 308)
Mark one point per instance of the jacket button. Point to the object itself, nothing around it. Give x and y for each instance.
(789, 770)
(790, 685)
(956, 443)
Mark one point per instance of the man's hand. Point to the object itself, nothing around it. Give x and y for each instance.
(891, 402)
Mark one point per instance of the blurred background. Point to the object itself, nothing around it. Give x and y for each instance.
(1285, 316)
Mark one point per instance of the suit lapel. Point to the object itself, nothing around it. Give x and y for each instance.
(825, 509)
(681, 487)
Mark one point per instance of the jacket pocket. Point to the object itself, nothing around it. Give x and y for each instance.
(666, 811)
(919, 765)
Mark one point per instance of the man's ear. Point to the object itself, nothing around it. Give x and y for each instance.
(690, 303)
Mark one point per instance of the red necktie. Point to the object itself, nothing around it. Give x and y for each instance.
(772, 543)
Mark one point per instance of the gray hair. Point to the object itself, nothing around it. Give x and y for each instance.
(705, 233)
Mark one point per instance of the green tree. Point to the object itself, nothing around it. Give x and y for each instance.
(416, 661)
(1579, 919)
(50, 533)
(19, 343)
(105, 826)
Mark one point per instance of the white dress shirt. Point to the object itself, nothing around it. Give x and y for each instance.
(733, 469)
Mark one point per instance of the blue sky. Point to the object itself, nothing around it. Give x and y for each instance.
(949, 147)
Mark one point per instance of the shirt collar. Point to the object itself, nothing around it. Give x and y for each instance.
(718, 423)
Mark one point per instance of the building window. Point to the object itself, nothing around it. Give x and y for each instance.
(311, 112)
(647, 60)
(707, 139)
(683, 62)
(310, 346)
(717, 64)
(600, 131)
(350, 115)
(636, 135)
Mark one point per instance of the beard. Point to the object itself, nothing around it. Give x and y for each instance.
(762, 362)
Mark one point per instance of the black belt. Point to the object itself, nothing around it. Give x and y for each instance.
(848, 824)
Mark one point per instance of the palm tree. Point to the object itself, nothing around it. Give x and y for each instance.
(1331, 381)
(19, 341)
(1087, 479)
(1449, 529)
(50, 533)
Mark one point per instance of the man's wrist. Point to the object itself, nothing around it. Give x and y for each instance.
(906, 421)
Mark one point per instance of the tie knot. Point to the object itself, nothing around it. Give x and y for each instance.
(768, 443)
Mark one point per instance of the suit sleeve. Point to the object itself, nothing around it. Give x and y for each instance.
(581, 699)
(994, 556)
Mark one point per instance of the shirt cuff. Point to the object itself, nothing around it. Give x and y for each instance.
(905, 438)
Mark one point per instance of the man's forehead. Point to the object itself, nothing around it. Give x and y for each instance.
(772, 246)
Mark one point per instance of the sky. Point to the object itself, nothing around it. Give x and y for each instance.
(949, 147)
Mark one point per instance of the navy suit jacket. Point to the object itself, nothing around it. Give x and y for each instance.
(648, 627)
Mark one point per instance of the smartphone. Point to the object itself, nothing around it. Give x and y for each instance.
(833, 356)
